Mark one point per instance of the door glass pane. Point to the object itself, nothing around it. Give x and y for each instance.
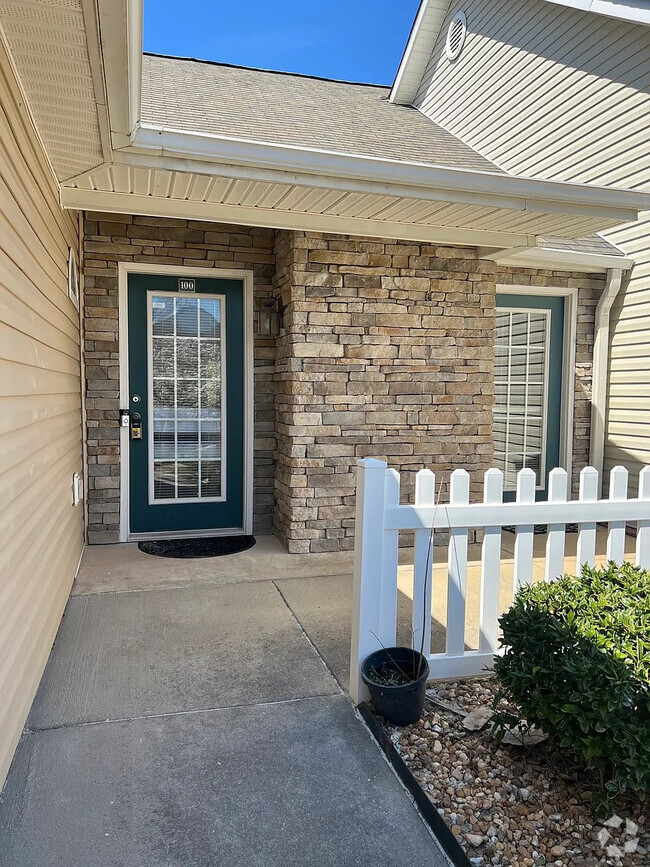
(187, 397)
(521, 380)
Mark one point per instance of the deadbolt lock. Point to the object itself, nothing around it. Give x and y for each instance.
(136, 426)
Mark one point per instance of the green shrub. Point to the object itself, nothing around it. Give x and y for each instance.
(576, 663)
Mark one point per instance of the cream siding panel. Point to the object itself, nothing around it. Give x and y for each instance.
(41, 533)
(628, 413)
(537, 88)
(552, 92)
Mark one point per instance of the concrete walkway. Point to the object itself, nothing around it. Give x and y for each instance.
(185, 718)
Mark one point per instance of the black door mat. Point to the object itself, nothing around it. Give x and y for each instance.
(185, 549)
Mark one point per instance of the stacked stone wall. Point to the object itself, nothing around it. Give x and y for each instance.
(387, 352)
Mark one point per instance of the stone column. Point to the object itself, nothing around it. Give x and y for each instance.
(386, 351)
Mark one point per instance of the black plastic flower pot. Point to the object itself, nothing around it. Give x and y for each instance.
(396, 678)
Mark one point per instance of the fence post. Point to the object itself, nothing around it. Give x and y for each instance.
(457, 568)
(558, 483)
(425, 495)
(616, 529)
(490, 567)
(387, 631)
(525, 534)
(368, 555)
(586, 547)
(643, 527)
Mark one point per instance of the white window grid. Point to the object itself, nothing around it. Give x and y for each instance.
(153, 501)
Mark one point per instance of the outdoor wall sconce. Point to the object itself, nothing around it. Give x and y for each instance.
(269, 316)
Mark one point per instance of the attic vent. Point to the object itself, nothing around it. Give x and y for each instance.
(456, 35)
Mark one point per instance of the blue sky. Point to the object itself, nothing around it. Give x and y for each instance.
(355, 40)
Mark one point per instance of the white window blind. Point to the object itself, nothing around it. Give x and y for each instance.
(521, 381)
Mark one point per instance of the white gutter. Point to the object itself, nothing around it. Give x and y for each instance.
(636, 13)
(120, 35)
(600, 371)
(392, 177)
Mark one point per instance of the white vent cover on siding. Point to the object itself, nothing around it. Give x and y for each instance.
(456, 35)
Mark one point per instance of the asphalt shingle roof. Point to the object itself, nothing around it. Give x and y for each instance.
(588, 244)
(287, 109)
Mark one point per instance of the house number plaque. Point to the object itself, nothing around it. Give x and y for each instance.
(186, 284)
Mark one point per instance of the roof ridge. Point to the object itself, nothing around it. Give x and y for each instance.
(269, 71)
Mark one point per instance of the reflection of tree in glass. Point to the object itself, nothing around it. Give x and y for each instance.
(211, 385)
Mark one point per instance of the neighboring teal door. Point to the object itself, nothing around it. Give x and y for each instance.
(186, 381)
(528, 387)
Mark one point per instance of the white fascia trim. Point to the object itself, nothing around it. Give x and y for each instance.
(93, 39)
(638, 13)
(243, 171)
(129, 203)
(542, 257)
(422, 38)
(120, 28)
(503, 190)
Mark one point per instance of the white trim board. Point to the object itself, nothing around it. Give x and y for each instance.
(120, 36)
(428, 21)
(126, 268)
(568, 359)
(184, 534)
(554, 259)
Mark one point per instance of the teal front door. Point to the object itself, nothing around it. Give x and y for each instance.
(186, 384)
(528, 363)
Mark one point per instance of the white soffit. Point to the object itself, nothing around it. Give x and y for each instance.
(329, 206)
(426, 27)
(49, 46)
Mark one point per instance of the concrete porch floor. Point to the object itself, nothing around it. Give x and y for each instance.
(192, 713)
(192, 722)
(318, 587)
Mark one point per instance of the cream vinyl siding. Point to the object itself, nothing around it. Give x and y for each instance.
(552, 92)
(41, 534)
(628, 411)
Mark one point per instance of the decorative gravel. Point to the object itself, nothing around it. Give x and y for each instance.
(512, 805)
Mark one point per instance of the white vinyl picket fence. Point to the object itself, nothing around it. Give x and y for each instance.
(380, 517)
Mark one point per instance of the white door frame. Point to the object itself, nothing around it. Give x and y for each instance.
(568, 360)
(124, 269)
